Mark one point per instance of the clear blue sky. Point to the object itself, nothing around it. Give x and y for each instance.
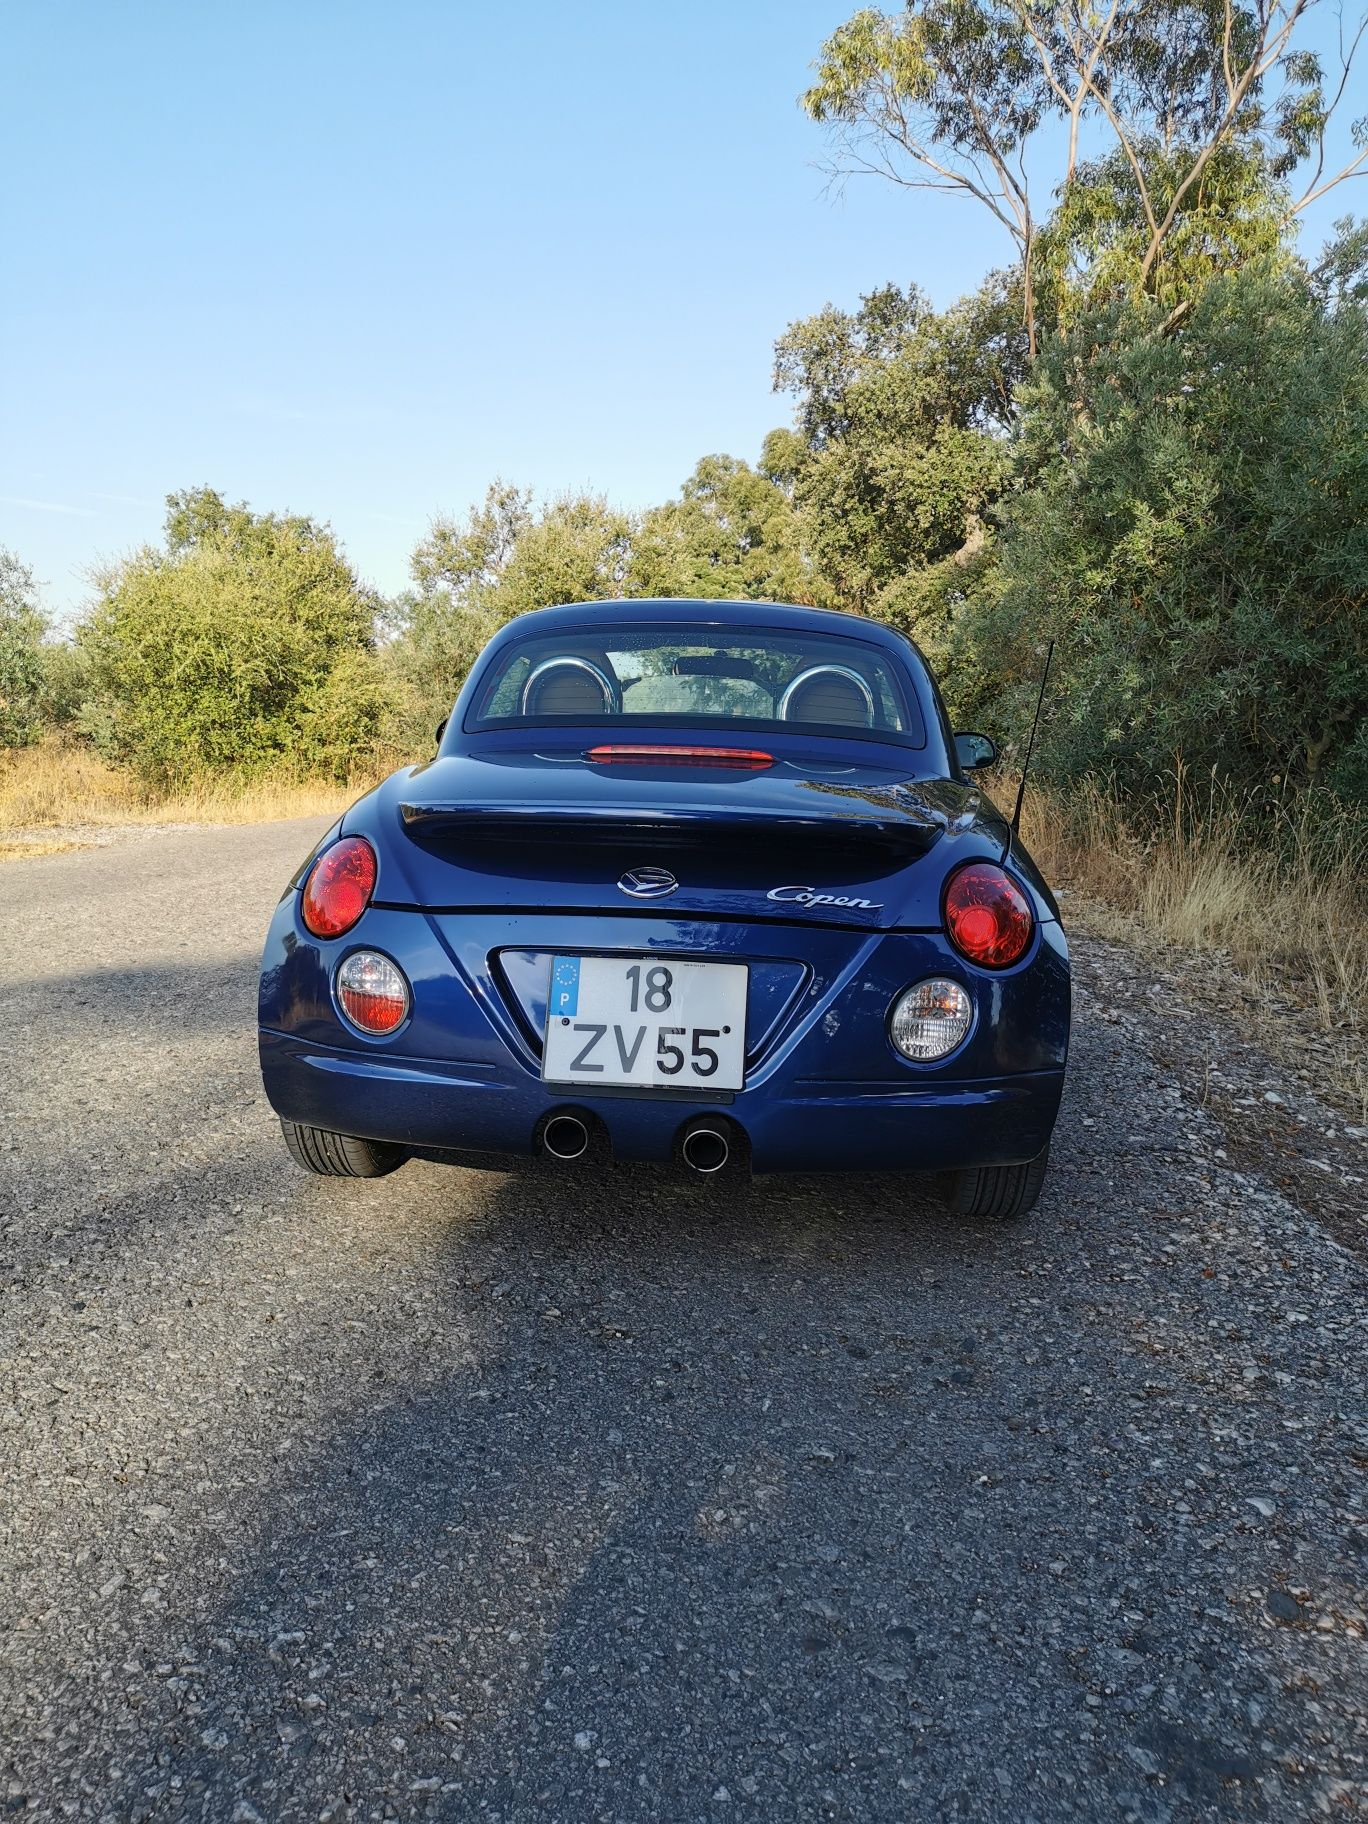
(355, 260)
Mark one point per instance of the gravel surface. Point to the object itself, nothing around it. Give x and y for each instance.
(467, 1495)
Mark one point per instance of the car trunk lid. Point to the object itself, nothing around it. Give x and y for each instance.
(803, 839)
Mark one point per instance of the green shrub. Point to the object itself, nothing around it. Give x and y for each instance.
(218, 654)
(1192, 526)
(22, 629)
(732, 534)
(940, 607)
(476, 574)
(348, 725)
(63, 685)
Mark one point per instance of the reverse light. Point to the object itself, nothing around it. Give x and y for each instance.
(372, 991)
(733, 759)
(928, 1020)
(339, 887)
(987, 916)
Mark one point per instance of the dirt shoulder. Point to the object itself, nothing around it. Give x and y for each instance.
(58, 838)
(1262, 1079)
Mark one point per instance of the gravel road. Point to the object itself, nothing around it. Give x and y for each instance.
(466, 1495)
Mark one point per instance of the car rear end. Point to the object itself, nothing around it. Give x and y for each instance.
(647, 935)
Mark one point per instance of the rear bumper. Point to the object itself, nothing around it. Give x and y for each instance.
(806, 1127)
(824, 1090)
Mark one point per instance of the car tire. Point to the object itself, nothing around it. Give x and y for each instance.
(340, 1155)
(1000, 1193)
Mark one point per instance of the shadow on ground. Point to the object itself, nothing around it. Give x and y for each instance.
(713, 1514)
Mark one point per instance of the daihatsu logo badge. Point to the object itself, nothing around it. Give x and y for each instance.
(648, 883)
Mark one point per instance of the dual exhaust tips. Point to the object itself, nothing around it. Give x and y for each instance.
(705, 1148)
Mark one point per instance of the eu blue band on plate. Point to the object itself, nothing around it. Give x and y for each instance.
(565, 975)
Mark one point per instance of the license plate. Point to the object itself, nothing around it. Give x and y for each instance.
(640, 1021)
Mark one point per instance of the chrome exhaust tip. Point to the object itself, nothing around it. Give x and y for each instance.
(705, 1150)
(565, 1137)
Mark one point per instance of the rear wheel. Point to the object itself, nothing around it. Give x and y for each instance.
(1000, 1192)
(339, 1155)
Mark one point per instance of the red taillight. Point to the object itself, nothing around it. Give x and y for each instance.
(339, 887)
(734, 759)
(987, 915)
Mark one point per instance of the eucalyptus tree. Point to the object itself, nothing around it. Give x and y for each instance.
(1173, 114)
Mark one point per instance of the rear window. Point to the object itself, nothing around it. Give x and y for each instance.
(755, 678)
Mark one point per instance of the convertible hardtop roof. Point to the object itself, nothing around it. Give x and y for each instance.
(705, 613)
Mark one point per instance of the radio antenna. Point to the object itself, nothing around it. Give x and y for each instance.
(1030, 747)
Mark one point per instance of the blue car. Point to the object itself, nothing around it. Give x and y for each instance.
(688, 881)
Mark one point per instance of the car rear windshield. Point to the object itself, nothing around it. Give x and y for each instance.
(753, 678)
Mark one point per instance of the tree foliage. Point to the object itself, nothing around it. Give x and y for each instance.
(1091, 250)
(731, 534)
(475, 574)
(1146, 441)
(1192, 528)
(228, 650)
(1198, 104)
(945, 96)
(901, 413)
(23, 627)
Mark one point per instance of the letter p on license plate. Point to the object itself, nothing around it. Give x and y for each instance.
(645, 1022)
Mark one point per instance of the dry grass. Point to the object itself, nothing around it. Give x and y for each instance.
(54, 789)
(1288, 918)
(27, 846)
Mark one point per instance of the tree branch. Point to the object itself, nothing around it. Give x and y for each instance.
(1346, 59)
(1258, 67)
(1353, 169)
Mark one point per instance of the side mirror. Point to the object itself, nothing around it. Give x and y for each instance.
(973, 751)
(441, 729)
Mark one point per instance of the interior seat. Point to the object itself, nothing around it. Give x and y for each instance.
(834, 694)
(569, 685)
